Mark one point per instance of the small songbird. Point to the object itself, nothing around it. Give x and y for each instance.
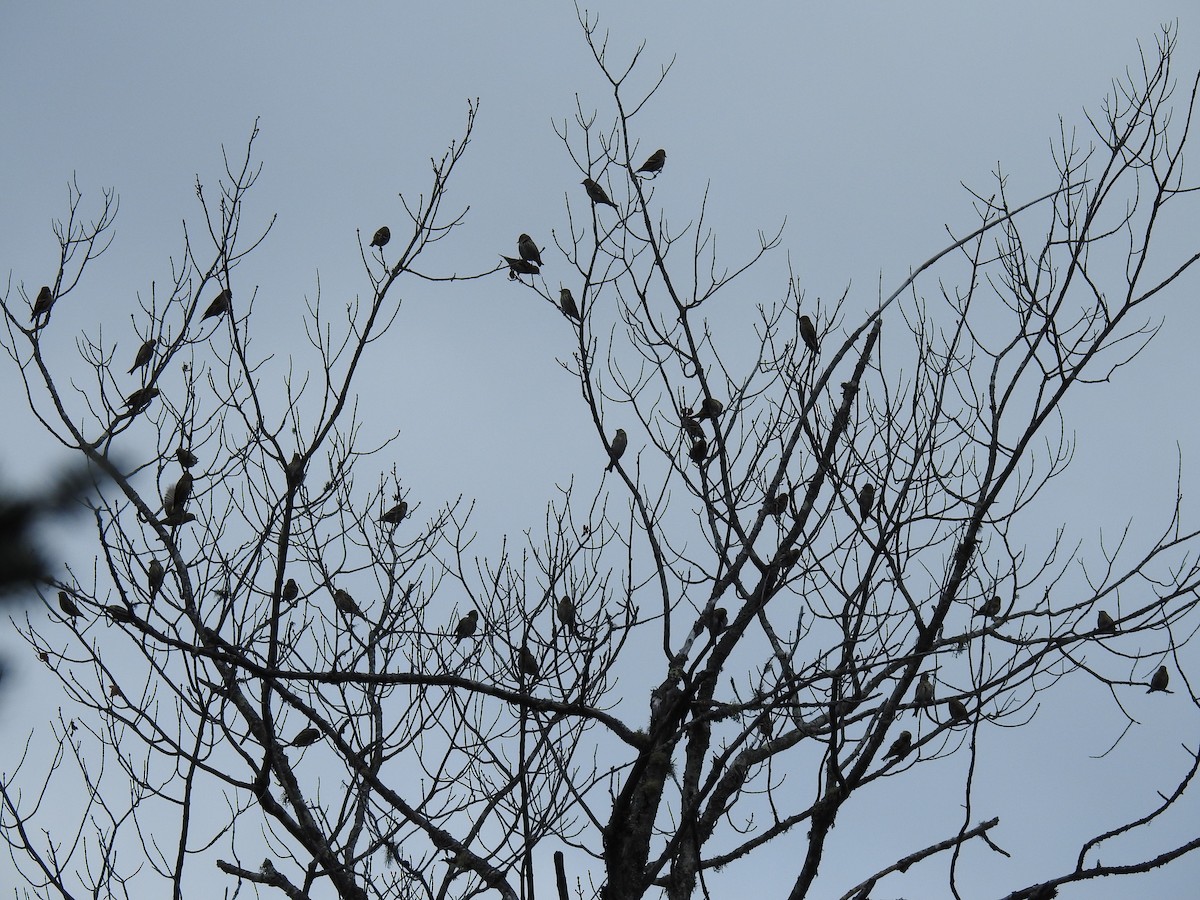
(900, 746)
(178, 517)
(527, 664)
(528, 249)
(395, 515)
(567, 303)
(1160, 680)
(596, 193)
(1105, 623)
(958, 711)
(466, 626)
(144, 355)
(710, 408)
(990, 608)
(45, 300)
(519, 267)
(140, 399)
(692, 427)
(654, 164)
(923, 695)
(119, 613)
(155, 574)
(382, 236)
(219, 305)
(291, 590)
(345, 604)
(699, 450)
(566, 615)
(619, 442)
(181, 493)
(866, 500)
(186, 457)
(306, 736)
(67, 605)
(718, 621)
(777, 505)
(809, 334)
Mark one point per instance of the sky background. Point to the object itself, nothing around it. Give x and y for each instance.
(857, 123)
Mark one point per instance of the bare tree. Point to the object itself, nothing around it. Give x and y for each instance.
(805, 565)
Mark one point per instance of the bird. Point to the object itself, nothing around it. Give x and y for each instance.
(710, 408)
(119, 613)
(766, 726)
(566, 615)
(144, 355)
(866, 500)
(291, 590)
(699, 450)
(923, 695)
(1105, 623)
(777, 504)
(617, 448)
(140, 399)
(596, 193)
(345, 604)
(306, 736)
(990, 608)
(466, 626)
(527, 664)
(787, 558)
(382, 236)
(718, 621)
(67, 605)
(219, 305)
(186, 457)
(809, 333)
(900, 746)
(181, 492)
(155, 574)
(528, 249)
(519, 267)
(958, 711)
(567, 303)
(396, 514)
(178, 517)
(655, 162)
(294, 470)
(1160, 680)
(45, 300)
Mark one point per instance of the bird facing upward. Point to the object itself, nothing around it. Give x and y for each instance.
(923, 695)
(155, 574)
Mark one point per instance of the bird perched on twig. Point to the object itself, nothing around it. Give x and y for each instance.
(691, 425)
(566, 615)
(527, 664)
(777, 504)
(41, 306)
(222, 304)
(596, 193)
(866, 501)
(144, 355)
(699, 450)
(345, 604)
(291, 590)
(808, 333)
(137, 401)
(710, 408)
(566, 302)
(519, 267)
(155, 575)
(294, 470)
(382, 236)
(654, 164)
(1160, 681)
(306, 736)
(119, 613)
(466, 626)
(958, 711)
(395, 515)
(1105, 623)
(990, 608)
(716, 621)
(615, 450)
(186, 457)
(923, 695)
(900, 746)
(67, 605)
(528, 250)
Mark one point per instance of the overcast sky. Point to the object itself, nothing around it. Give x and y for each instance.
(858, 123)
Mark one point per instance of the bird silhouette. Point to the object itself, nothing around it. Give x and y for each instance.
(596, 193)
(180, 493)
(138, 400)
(717, 621)
(178, 517)
(45, 300)
(990, 608)
(294, 470)
(567, 303)
(291, 590)
(1160, 681)
(900, 746)
(186, 457)
(615, 450)
(866, 500)
(519, 267)
(655, 162)
(699, 450)
(528, 249)
(777, 504)
(1105, 623)
(67, 605)
(958, 711)
(395, 515)
(808, 333)
(566, 615)
(710, 408)
(382, 236)
(119, 613)
(221, 304)
(306, 736)
(345, 604)
(466, 626)
(923, 695)
(155, 575)
(527, 664)
(144, 355)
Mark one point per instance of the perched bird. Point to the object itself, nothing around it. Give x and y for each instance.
(990, 608)
(596, 193)
(140, 399)
(777, 504)
(567, 303)
(396, 514)
(1105, 623)
(218, 306)
(809, 334)
(306, 736)
(466, 626)
(958, 711)
(923, 695)
(519, 267)
(527, 664)
(787, 558)
(866, 500)
(717, 621)
(345, 604)
(67, 605)
(291, 590)
(382, 236)
(691, 426)
(528, 249)
(144, 355)
(766, 726)
(699, 450)
(654, 164)
(119, 613)
(180, 493)
(155, 575)
(45, 300)
(710, 408)
(566, 615)
(900, 746)
(617, 448)
(1160, 680)
(186, 457)
(178, 517)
